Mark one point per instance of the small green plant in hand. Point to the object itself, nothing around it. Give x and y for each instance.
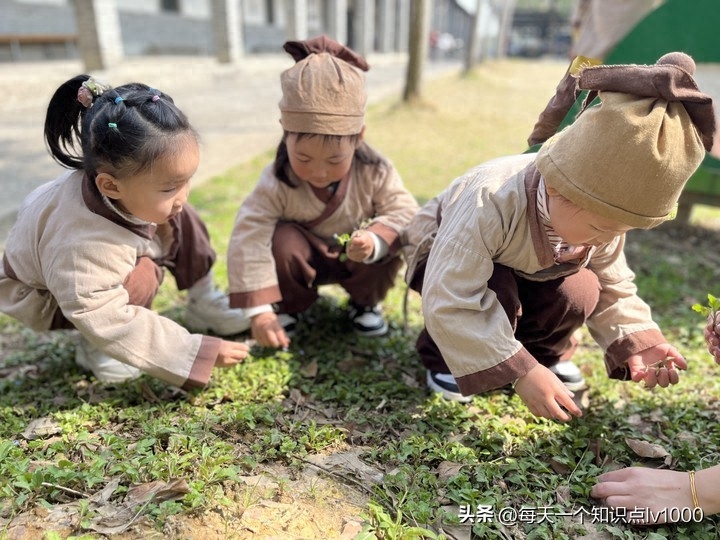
(711, 312)
(711, 308)
(342, 240)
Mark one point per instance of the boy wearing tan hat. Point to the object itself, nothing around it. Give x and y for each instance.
(521, 251)
(326, 184)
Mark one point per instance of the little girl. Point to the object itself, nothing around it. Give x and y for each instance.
(88, 249)
(325, 184)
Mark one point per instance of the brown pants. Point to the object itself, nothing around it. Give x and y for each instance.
(304, 261)
(543, 314)
(189, 259)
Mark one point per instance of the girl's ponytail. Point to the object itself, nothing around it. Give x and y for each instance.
(91, 126)
(63, 121)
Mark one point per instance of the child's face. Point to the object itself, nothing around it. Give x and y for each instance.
(319, 161)
(578, 226)
(158, 193)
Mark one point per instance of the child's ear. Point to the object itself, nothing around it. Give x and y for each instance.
(107, 185)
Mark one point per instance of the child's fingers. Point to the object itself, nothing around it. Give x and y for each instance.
(677, 358)
(263, 337)
(662, 377)
(637, 369)
(566, 400)
(650, 378)
(231, 353)
(283, 338)
(240, 352)
(277, 338)
(272, 340)
(557, 413)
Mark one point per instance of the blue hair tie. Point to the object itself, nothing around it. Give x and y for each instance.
(118, 100)
(112, 125)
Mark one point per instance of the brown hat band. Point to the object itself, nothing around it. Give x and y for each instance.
(321, 123)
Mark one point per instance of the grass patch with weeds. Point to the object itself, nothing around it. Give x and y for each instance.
(250, 456)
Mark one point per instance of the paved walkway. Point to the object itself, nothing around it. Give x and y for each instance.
(234, 107)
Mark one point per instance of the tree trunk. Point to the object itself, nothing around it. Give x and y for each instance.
(471, 53)
(417, 46)
(505, 26)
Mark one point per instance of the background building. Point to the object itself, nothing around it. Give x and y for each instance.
(48, 29)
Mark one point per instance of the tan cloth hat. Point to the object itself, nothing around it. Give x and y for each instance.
(323, 93)
(629, 157)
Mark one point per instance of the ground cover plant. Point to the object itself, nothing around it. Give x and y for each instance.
(337, 437)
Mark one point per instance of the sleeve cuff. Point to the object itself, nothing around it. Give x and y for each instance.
(379, 251)
(257, 310)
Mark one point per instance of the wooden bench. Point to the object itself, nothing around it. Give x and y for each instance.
(17, 41)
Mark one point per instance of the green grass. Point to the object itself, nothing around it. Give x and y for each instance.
(335, 392)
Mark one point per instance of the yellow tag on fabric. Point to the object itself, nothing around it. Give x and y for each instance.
(581, 62)
(673, 213)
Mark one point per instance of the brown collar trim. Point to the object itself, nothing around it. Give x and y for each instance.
(333, 203)
(542, 246)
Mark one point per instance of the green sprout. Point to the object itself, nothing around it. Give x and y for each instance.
(342, 240)
(711, 308)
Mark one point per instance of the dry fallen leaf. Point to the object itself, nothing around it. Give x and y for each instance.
(310, 370)
(447, 469)
(296, 396)
(463, 531)
(409, 381)
(42, 427)
(646, 449)
(560, 468)
(562, 495)
(158, 491)
(352, 362)
(350, 463)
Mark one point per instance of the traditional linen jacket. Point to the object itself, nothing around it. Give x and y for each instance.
(488, 216)
(68, 250)
(372, 193)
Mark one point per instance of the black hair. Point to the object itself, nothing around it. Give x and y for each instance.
(122, 132)
(363, 153)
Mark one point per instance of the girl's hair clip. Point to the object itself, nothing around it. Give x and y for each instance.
(155, 94)
(112, 125)
(85, 97)
(89, 90)
(118, 100)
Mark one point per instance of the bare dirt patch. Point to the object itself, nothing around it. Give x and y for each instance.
(277, 503)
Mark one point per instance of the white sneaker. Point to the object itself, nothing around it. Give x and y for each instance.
(105, 368)
(445, 385)
(211, 311)
(570, 375)
(288, 322)
(368, 320)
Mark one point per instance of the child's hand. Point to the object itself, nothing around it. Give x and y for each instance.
(268, 332)
(360, 246)
(657, 365)
(545, 395)
(231, 353)
(712, 336)
(645, 487)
